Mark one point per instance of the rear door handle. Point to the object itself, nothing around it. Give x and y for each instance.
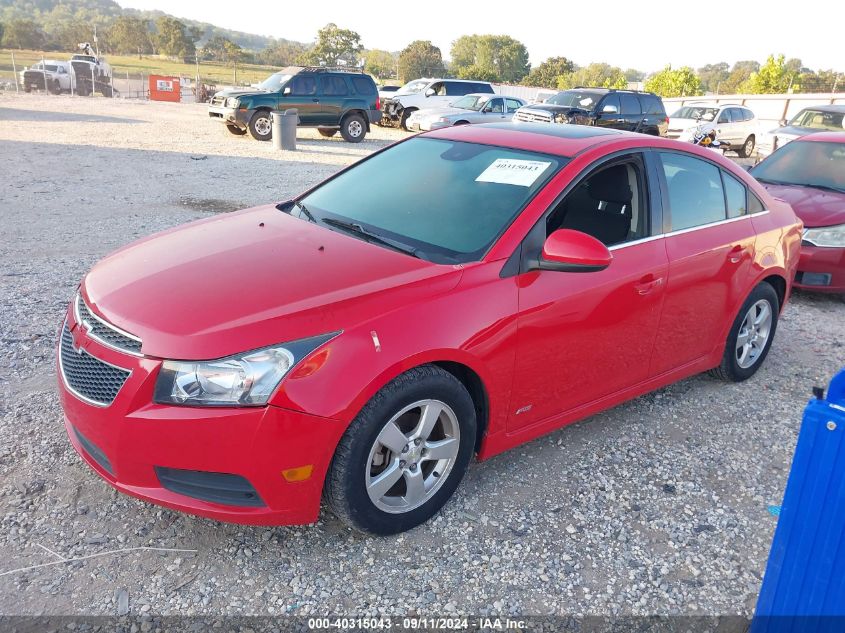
(736, 254)
(647, 284)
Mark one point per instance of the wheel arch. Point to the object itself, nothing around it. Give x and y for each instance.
(778, 282)
(477, 391)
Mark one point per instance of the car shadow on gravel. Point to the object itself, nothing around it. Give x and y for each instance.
(17, 114)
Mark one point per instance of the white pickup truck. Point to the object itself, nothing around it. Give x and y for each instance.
(50, 74)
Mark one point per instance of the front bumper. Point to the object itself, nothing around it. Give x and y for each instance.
(391, 110)
(137, 446)
(425, 126)
(821, 269)
(230, 116)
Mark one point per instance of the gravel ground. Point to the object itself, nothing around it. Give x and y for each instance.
(659, 506)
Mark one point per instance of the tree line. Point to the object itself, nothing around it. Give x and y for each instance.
(495, 58)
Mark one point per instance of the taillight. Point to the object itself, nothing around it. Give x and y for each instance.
(666, 120)
(378, 102)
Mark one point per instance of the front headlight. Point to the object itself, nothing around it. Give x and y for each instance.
(232, 102)
(246, 379)
(827, 236)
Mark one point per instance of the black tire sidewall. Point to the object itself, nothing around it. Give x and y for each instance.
(361, 509)
(762, 291)
(344, 128)
(253, 132)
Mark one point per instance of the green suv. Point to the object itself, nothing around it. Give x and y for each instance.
(329, 99)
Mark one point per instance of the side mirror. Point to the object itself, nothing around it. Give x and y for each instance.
(430, 92)
(782, 122)
(610, 109)
(571, 251)
(286, 91)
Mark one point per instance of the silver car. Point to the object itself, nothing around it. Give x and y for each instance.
(471, 108)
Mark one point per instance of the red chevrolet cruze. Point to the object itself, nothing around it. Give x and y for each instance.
(455, 294)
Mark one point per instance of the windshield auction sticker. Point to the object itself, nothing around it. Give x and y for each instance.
(510, 171)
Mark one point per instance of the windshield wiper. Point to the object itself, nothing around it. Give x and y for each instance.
(824, 187)
(369, 236)
(800, 184)
(304, 211)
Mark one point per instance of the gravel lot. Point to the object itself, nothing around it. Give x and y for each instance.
(660, 506)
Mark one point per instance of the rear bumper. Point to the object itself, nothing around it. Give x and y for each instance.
(374, 116)
(821, 269)
(227, 464)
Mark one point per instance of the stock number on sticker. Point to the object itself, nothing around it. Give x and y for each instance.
(352, 624)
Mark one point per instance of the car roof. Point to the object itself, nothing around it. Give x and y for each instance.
(824, 137)
(548, 138)
(835, 107)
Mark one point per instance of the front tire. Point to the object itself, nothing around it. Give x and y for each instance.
(353, 129)
(261, 126)
(405, 453)
(751, 335)
(747, 148)
(234, 129)
(326, 131)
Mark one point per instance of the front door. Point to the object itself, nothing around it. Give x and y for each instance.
(711, 250)
(610, 113)
(301, 93)
(584, 336)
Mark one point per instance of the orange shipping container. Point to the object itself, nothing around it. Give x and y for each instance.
(165, 88)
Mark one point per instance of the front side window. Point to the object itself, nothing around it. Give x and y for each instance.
(820, 120)
(808, 163)
(470, 102)
(611, 104)
(609, 204)
(725, 116)
(696, 196)
(703, 113)
(495, 105)
(303, 85)
(412, 87)
(462, 198)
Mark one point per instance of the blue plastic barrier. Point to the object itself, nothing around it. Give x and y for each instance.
(804, 585)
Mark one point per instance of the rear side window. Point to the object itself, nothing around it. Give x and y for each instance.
(364, 86)
(652, 105)
(334, 86)
(754, 204)
(749, 115)
(303, 85)
(696, 195)
(735, 196)
(458, 88)
(630, 104)
(484, 88)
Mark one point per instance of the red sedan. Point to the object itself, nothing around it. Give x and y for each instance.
(455, 294)
(809, 174)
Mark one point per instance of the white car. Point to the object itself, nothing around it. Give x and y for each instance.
(428, 93)
(735, 125)
(473, 108)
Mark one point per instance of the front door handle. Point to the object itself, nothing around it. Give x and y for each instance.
(315, 100)
(647, 284)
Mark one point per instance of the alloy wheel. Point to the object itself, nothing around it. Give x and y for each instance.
(753, 333)
(412, 456)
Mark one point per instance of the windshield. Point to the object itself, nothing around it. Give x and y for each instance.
(575, 99)
(274, 83)
(460, 200)
(808, 163)
(471, 102)
(820, 120)
(413, 87)
(48, 67)
(704, 113)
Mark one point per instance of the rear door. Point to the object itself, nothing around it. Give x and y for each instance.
(632, 112)
(710, 242)
(333, 94)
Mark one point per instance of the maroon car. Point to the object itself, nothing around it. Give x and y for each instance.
(809, 174)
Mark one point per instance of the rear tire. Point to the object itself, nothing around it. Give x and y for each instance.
(747, 148)
(404, 454)
(234, 129)
(261, 126)
(751, 335)
(353, 129)
(327, 131)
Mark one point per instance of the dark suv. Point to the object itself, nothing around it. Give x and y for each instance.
(329, 99)
(603, 107)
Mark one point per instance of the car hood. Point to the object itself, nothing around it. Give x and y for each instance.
(793, 131)
(251, 279)
(239, 93)
(683, 124)
(816, 207)
(549, 107)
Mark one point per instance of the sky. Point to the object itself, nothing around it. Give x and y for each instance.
(626, 34)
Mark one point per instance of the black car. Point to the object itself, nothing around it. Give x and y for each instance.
(630, 110)
(329, 99)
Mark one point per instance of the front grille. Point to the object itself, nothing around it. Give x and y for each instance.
(34, 78)
(105, 333)
(87, 377)
(532, 117)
